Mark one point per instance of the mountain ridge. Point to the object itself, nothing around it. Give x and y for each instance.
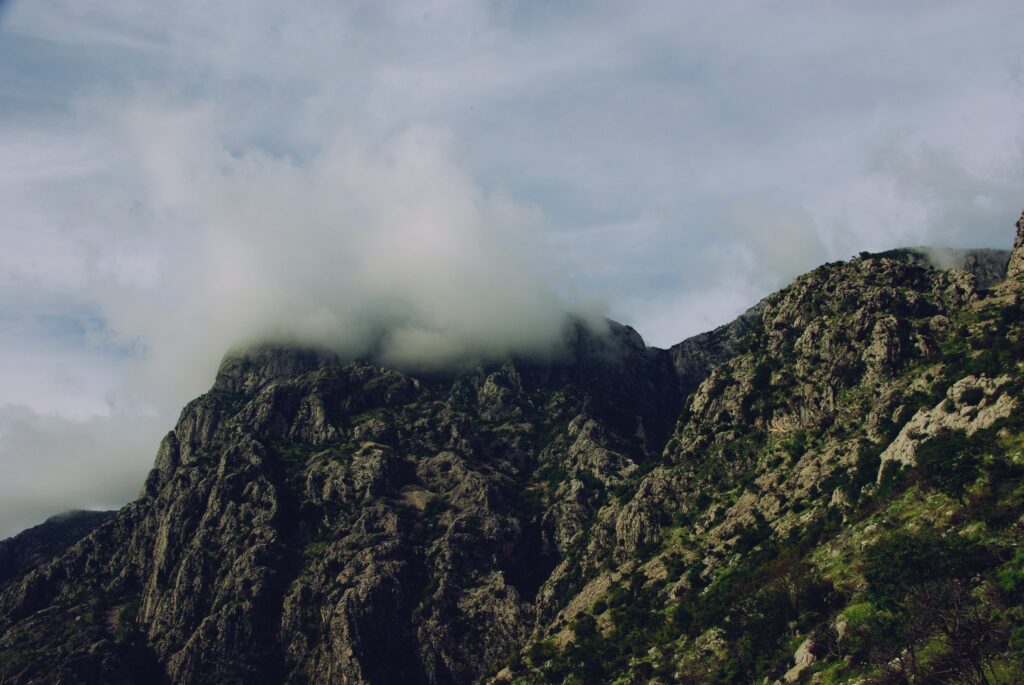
(31, 547)
(313, 519)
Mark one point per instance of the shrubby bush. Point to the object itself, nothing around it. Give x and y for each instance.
(950, 462)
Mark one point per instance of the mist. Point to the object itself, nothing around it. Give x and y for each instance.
(392, 247)
(71, 465)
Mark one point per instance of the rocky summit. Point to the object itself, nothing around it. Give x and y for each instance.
(830, 490)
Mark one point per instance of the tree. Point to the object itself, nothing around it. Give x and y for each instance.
(950, 462)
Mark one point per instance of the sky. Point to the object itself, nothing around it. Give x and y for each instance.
(447, 178)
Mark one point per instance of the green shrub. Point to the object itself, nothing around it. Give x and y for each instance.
(541, 652)
(584, 627)
(950, 462)
(1010, 576)
(903, 560)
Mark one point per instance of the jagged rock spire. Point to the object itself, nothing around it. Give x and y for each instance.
(1016, 267)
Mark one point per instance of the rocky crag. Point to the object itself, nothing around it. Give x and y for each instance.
(829, 489)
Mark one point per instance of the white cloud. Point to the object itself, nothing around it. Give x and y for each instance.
(50, 464)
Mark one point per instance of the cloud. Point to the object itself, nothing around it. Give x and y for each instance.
(776, 243)
(49, 464)
(391, 245)
(957, 201)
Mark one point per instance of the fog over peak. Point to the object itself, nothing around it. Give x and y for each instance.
(391, 245)
(388, 249)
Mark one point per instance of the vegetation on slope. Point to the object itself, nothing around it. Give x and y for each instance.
(797, 542)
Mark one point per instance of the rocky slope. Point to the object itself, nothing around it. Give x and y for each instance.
(841, 501)
(312, 519)
(730, 510)
(32, 547)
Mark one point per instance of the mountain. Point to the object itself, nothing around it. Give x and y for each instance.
(989, 267)
(828, 489)
(38, 544)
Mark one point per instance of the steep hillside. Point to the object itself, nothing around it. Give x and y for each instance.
(841, 501)
(829, 488)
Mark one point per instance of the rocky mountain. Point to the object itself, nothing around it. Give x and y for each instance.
(827, 490)
(989, 267)
(39, 544)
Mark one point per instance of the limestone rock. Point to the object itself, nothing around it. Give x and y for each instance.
(802, 660)
(971, 404)
(1016, 266)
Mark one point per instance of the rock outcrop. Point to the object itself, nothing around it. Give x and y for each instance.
(988, 266)
(1016, 266)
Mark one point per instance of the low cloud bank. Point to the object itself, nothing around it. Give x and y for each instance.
(392, 249)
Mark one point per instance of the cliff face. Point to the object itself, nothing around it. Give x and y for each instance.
(650, 515)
